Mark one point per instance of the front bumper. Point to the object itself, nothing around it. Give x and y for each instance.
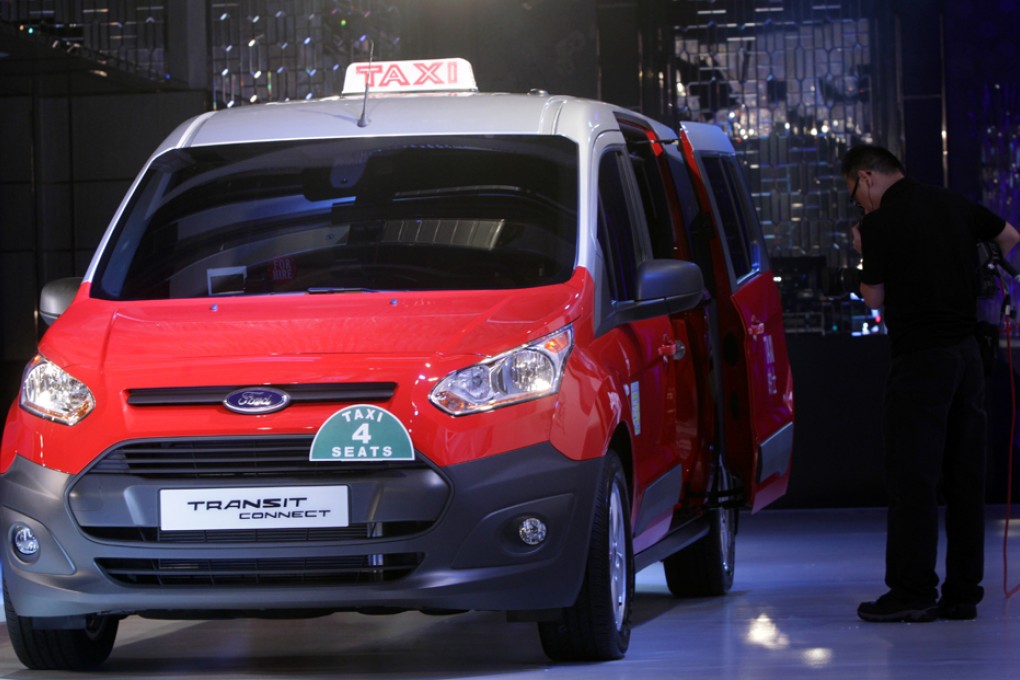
(420, 538)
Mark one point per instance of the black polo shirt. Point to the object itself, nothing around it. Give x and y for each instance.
(922, 245)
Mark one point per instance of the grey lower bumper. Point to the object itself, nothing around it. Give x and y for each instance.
(470, 558)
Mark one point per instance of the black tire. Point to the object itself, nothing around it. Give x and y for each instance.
(705, 568)
(597, 626)
(79, 649)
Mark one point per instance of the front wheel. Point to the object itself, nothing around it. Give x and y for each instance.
(75, 649)
(597, 626)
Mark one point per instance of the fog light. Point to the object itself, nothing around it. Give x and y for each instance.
(25, 541)
(531, 530)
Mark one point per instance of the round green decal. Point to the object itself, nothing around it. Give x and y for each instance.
(362, 433)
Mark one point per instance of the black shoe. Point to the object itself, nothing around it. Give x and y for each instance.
(957, 611)
(889, 609)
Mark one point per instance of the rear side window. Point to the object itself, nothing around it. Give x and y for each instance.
(407, 213)
(739, 221)
(683, 184)
(698, 228)
(652, 188)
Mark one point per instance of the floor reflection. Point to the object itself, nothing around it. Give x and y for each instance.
(791, 614)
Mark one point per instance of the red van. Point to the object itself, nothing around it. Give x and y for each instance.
(439, 351)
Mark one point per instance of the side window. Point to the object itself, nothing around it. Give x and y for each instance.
(617, 237)
(736, 212)
(684, 185)
(653, 197)
(698, 226)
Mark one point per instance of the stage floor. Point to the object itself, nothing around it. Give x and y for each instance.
(791, 614)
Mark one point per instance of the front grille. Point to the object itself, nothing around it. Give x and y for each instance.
(244, 456)
(129, 475)
(308, 571)
(355, 532)
(308, 393)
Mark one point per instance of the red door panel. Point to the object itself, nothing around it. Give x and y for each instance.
(765, 467)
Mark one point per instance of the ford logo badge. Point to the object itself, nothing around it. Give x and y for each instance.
(256, 400)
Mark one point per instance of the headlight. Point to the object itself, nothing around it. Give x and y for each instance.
(50, 392)
(525, 373)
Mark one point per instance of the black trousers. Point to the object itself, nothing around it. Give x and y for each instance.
(935, 433)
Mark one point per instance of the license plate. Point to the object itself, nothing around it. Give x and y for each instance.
(272, 507)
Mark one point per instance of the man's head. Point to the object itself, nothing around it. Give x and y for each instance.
(869, 170)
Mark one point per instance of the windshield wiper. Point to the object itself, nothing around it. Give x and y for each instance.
(323, 290)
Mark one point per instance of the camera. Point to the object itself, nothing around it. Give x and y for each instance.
(839, 282)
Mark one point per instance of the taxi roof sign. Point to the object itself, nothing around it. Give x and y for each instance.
(416, 75)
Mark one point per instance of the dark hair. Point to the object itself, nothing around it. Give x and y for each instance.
(870, 157)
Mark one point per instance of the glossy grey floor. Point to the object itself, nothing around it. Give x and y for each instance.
(791, 614)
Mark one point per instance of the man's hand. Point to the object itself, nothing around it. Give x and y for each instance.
(873, 295)
(855, 232)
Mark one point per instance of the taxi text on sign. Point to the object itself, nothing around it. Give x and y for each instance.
(423, 75)
(362, 433)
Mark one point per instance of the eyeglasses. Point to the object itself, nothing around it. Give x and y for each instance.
(853, 193)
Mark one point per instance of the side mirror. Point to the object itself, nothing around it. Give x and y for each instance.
(676, 282)
(663, 287)
(56, 296)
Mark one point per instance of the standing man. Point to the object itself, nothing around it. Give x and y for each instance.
(919, 251)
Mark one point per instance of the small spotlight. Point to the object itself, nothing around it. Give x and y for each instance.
(531, 530)
(25, 541)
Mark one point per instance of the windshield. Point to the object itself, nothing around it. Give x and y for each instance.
(403, 213)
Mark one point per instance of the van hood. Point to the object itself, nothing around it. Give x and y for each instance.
(117, 337)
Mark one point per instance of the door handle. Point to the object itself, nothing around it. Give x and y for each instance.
(756, 328)
(673, 350)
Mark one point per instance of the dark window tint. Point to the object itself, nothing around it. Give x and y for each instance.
(616, 233)
(651, 185)
(739, 222)
(683, 184)
(697, 223)
(425, 213)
